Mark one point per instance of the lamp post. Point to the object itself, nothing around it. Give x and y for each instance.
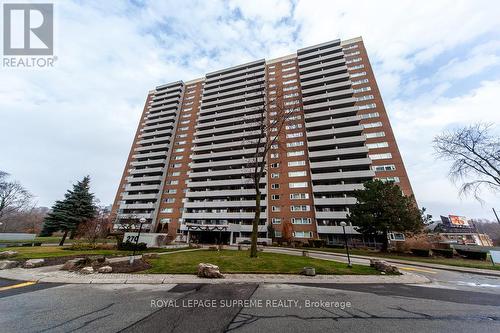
(343, 224)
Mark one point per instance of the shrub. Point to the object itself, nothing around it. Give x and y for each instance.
(82, 246)
(129, 246)
(335, 246)
(319, 243)
(475, 255)
(447, 253)
(421, 252)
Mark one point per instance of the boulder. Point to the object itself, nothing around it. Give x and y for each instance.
(87, 270)
(308, 271)
(8, 264)
(105, 269)
(384, 266)
(73, 264)
(32, 263)
(7, 254)
(97, 259)
(209, 271)
(150, 256)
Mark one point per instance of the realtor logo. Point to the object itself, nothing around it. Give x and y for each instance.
(28, 29)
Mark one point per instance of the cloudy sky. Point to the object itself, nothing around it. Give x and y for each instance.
(437, 65)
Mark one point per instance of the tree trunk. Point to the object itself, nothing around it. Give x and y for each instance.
(61, 243)
(385, 242)
(255, 224)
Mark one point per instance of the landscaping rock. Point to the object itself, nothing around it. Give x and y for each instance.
(384, 266)
(105, 269)
(97, 259)
(87, 270)
(32, 263)
(308, 271)
(73, 264)
(209, 271)
(7, 254)
(150, 256)
(8, 264)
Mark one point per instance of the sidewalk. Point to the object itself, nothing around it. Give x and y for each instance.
(478, 271)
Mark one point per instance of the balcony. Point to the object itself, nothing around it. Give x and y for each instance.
(334, 201)
(338, 152)
(143, 179)
(149, 196)
(339, 163)
(337, 188)
(146, 171)
(323, 229)
(225, 203)
(138, 206)
(337, 141)
(343, 175)
(225, 216)
(129, 188)
(223, 193)
(331, 215)
(225, 182)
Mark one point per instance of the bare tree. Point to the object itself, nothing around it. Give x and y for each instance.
(14, 198)
(475, 153)
(271, 123)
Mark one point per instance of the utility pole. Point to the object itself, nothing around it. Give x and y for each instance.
(498, 220)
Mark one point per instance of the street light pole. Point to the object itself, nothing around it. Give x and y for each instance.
(343, 224)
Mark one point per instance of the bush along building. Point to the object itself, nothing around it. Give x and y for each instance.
(188, 172)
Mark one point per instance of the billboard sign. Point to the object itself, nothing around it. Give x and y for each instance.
(458, 221)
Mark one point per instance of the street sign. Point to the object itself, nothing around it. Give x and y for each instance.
(495, 257)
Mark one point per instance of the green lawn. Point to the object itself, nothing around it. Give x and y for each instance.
(54, 240)
(37, 252)
(232, 261)
(434, 260)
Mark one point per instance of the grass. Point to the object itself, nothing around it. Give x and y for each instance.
(231, 261)
(53, 240)
(487, 264)
(37, 252)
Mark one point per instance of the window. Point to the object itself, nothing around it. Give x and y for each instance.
(274, 129)
(275, 186)
(375, 135)
(277, 234)
(362, 89)
(300, 208)
(354, 46)
(170, 200)
(163, 221)
(272, 92)
(179, 150)
(295, 153)
(275, 209)
(292, 102)
(352, 54)
(176, 165)
(294, 135)
(302, 220)
(273, 113)
(184, 122)
(180, 143)
(180, 136)
(288, 69)
(294, 118)
(275, 197)
(273, 85)
(290, 88)
(272, 73)
(369, 115)
(296, 163)
(367, 106)
(297, 174)
(185, 128)
(187, 115)
(359, 82)
(274, 146)
(295, 144)
(275, 155)
(167, 210)
(290, 81)
(291, 95)
(276, 220)
(288, 62)
(302, 234)
(272, 66)
(275, 165)
(365, 98)
(353, 60)
(288, 111)
(289, 75)
(297, 185)
(275, 175)
(188, 109)
(380, 156)
(372, 125)
(377, 145)
(171, 191)
(297, 196)
(293, 126)
(356, 67)
(179, 157)
(389, 179)
(173, 182)
(358, 74)
(386, 167)
(175, 174)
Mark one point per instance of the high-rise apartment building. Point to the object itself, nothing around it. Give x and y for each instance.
(188, 175)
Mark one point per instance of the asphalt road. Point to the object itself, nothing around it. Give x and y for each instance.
(247, 308)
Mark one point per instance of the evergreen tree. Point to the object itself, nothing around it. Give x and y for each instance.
(382, 208)
(76, 208)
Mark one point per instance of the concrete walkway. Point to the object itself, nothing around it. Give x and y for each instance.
(365, 260)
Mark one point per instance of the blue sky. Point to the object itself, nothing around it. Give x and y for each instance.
(437, 64)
